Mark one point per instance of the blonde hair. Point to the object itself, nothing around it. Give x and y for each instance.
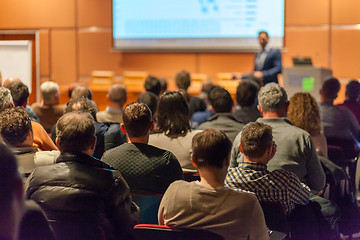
(304, 113)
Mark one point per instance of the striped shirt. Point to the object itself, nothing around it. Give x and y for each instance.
(277, 186)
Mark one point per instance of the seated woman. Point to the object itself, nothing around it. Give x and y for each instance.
(172, 130)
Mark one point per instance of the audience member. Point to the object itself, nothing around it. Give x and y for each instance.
(144, 167)
(20, 94)
(201, 117)
(296, 151)
(246, 94)
(338, 122)
(352, 98)
(208, 204)
(152, 84)
(183, 80)
(173, 131)
(304, 113)
(42, 140)
(221, 103)
(81, 90)
(163, 84)
(151, 100)
(97, 201)
(280, 185)
(49, 110)
(11, 195)
(116, 98)
(7, 82)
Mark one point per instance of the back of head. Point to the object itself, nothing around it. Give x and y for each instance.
(137, 119)
(246, 93)
(272, 97)
(182, 80)
(220, 100)
(256, 137)
(163, 84)
(173, 114)
(152, 84)
(304, 113)
(19, 93)
(75, 132)
(81, 91)
(210, 148)
(15, 125)
(353, 90)
(6, 100)
(48, 90)
(330, 88)
(150, 99)
(82, 105)
(9, 81)
(117, 94)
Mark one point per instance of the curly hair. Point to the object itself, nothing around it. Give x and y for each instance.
(304, 113)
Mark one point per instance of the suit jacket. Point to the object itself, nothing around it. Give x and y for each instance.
(272, 66)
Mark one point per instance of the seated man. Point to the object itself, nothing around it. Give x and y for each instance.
(208, 204)
(221, 103)
(153, 85)
(49, 110)
(81, 196)
(252, 175)
(144, 167)
(11, 195)
(245, 110)
(151, 100)
(117, 98)
(352, 94)
(296, 151)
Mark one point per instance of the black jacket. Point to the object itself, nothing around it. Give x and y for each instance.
(83, 198)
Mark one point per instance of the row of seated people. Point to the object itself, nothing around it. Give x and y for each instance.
(177, 101)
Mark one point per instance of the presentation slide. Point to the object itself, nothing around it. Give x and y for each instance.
(204, 25)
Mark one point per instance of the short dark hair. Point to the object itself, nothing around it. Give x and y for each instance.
(117, 94)
(137, 119)
(330, 88)
(152, 84)
(183, 80)
(256, 137)
(246, 93)
(353, 90)
(9, 174)
(220, 99)
(265, 32)
(81, 91)
(210, 148)
(15, 125)
(75, 131)
(19, 92)
(150, 99)
(82, 104)
(173, 114)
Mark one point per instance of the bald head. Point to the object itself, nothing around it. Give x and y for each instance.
(117, 94)
(81, 91)
(7, 82)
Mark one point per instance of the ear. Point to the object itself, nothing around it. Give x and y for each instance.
(151, 126)
(192, 160)
(12, 104)
(122, 126)
(57, 142)
(93, 145)
(212, 109)
(260, 110)
(227, 161)
(240, 148)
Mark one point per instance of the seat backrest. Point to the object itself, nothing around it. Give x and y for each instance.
(149, 205)
(275, 216)
(159, 232)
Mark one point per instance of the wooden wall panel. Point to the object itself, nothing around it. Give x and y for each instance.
(95, 53)
(63, 54)
(345, 12)
(213, 63)
(44, 52)
(94, 13)
(21, 14)
(345, 51)
(306, 12)
(312, 43)
(159, 64)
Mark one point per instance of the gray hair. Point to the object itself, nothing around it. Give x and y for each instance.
(272, 97)
(48, 89)
(6, 100)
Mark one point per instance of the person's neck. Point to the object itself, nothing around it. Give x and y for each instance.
(113, 105)
(212, 177)
(142, 139)
(273, 115)
(255, 160)
(324, 99)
